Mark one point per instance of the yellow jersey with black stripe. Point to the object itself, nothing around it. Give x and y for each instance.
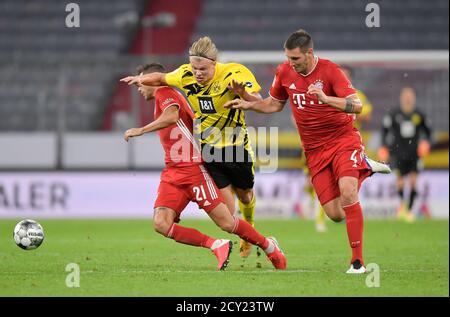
(219, 127)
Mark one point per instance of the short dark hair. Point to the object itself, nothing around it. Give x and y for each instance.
(300, 39)
(150, 68)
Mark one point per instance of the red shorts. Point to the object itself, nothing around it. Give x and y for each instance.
(343, 157)
(180, 185)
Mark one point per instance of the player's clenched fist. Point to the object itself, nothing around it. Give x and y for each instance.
(424, 148)
(383, 154)
(132, 133)
(313, 90)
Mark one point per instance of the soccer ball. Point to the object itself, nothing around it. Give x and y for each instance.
(28, 234)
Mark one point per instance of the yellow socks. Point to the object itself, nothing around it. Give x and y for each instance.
(248, 210)
(320, 215)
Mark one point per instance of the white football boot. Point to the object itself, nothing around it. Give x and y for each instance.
(377, 167)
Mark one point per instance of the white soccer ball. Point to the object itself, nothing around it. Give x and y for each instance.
(28, 234)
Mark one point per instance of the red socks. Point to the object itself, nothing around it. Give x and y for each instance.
(246, 231)
(355, 227)
(189, 236)
(194, 237)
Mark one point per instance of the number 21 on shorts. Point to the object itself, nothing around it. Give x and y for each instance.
(199, 192)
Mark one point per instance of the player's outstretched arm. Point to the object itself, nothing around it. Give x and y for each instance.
(167, 118)
(152, 79)
(268, 105)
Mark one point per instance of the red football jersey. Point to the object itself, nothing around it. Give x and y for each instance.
(317, 123)
(177, 140)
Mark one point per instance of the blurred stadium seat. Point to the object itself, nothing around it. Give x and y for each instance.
(37, 51)
(335, 26)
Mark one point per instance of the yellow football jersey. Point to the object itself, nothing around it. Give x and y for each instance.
(367, 107)
(207, 102)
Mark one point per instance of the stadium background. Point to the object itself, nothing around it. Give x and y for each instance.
(63, 157)
(63, 110)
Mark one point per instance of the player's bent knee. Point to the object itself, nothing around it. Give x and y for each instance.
(333, 212)
(336, 218)
(161, 223)
(161, 227)
(245, 197)
(227, 226)
(349, 194)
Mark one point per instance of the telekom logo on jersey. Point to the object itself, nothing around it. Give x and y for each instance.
(301, 101)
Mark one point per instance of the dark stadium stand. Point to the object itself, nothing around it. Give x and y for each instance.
(44, 64)
(38, 53)
(39, 27)
(335, 25)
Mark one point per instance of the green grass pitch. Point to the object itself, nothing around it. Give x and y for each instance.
(127, 258)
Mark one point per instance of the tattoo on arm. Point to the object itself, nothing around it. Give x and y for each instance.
(349, 107)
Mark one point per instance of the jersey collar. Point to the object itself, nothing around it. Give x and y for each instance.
(316, 61)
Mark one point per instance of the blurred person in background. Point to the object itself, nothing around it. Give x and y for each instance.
(366, 114)
(314, 206)
(318, 211)
(406, 137)
(208, 85)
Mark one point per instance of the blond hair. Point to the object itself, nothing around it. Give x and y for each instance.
(204, 47)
